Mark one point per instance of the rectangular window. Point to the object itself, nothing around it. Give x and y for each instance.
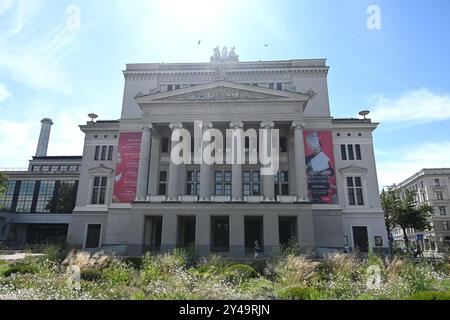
(279, 86)
(445, 226)
(7, 199)
(193, 183)
(252, 183)
(63, 168)
(36, 168)
(26, 195)
(73, 168)
(358, 152)
(162, 183)
(442, 211)
(45, 196)
(281, 185)
(222, 183)
(66, 197)
(283, 144)
(170, 87)
(439, 195)
(271, 85)
(437, 182)
(343, 152)
(99, 190)
(165, 145)
(110, 152)
(355, 191)
(351, 155)
(177, 86)
(45, 168)
(93, 236)
(97, 153)
(54, 168)
(103, 158)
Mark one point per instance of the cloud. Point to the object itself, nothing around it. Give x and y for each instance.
(4, 93)
(395, 166)
(417, 107)
(31, 49)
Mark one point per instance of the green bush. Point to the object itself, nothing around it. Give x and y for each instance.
(56, 253)
(91, 274)
(419, 277)
(430, 295)
(238, 272)
(444, 268)
(135, 262)
(118, 273)
(300, 293)
(20, 267)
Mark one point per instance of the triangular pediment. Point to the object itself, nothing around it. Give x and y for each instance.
(222, 91)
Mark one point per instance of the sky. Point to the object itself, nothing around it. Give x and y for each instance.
(64, 59)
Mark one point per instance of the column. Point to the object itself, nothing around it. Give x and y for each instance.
(205, 169)
(267, 180)
(155, 155)
(236, 168)
(144, 159)
(203, 232)
(300, 164)
(169, 232)
(172, 194)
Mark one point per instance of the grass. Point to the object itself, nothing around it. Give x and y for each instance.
(182, 276)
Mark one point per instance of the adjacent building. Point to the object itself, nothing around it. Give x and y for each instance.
(132, 197)
(38, 204)
(432, 187)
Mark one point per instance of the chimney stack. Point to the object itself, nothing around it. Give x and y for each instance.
(44, 137)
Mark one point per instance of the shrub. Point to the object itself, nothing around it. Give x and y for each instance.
(135, 262)
(443, 268)
(91, 274)
(295, 270)
(300, 293)
(419, 277)
(119, 273)
(239, 272)
(212, 265)
(55, 253)
(342, 265)
(162, 266)
(430, 295)
(20, 267)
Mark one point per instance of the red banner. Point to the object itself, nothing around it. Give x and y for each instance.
(127, 167)
(320, 165)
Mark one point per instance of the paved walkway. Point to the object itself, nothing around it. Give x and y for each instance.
(17, 256)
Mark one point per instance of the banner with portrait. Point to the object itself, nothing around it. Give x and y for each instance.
(321, 173)
(125, 179)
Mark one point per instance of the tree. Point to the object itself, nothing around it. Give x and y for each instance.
(3, 183)
(390, 202)
(401, 210)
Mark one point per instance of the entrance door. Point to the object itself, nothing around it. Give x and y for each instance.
(253, 232)
(287, 230)
(153, 233)
(361, 239)
(220, 234)
(186, 232)
(93, 236)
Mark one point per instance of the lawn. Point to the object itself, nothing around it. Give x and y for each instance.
(59, 275)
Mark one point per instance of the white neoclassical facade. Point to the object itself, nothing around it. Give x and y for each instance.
(134, 198)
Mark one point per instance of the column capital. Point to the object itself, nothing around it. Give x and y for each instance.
(267, 124)
(147, 127)
(236, 125)
(175, 125)
(206, 125)
(298, 124)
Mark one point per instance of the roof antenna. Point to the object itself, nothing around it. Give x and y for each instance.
(93, 116)
(364, 114)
